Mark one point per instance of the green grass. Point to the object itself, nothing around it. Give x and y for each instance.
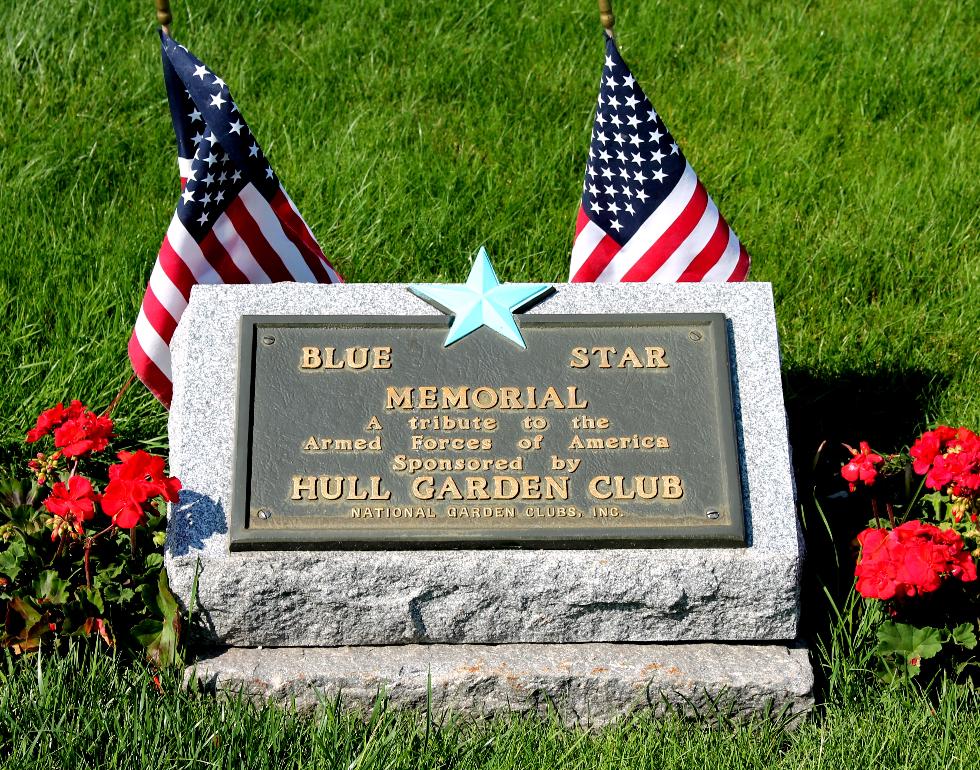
(838, 138)
(74, 712)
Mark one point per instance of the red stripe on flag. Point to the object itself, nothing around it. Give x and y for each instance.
(297, 232)
(249, 232)
(600, 256)
(149, 373)
(709, 255)
(219, 258)
(742, 268)
(177, 271)
(596, 262)
(673, 237)
(158, 316)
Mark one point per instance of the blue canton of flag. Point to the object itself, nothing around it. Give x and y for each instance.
(234, 222)
(644, 215)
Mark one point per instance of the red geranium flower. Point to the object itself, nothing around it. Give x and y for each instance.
(74, 502)
(912, 559)
(87, 432)
(949, 459)
(862, 466)
(929, 444)
(51, 418)
(134, 482)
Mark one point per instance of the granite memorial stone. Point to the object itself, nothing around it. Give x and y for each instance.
(570, 507)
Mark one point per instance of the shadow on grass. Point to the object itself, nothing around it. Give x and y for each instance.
(885, 409)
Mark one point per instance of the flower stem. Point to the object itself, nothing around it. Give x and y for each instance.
(115, 402)
(874, 508)
(88, 570)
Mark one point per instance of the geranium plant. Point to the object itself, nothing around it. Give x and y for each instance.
(919, 556)
(80, 543)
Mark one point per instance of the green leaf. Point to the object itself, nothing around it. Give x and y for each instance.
(161, 638)
(154, 560)
(50, 588)
(11, 560)
(147, 632)
(94, 597)
(964, 636)
(108, 574)
(911, 644)
(27, 611)
(937, 503)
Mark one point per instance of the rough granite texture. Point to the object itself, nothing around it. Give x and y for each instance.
(587, 684)
(331, 598)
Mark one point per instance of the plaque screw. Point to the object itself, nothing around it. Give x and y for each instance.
(268, 340)
(262, 513)
(709, 514)
(695, 336)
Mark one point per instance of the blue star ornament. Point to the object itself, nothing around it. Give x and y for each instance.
(481, 301)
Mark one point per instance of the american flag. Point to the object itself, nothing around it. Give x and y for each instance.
(234, 222)
(644, 215)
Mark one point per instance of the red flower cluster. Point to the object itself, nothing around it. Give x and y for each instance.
(914, 558)
(73, 502)
(77, 429)
(137, 479)
(949, 458)
(863, 466)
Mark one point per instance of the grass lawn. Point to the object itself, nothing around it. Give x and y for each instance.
(838, 138)
(68, 715)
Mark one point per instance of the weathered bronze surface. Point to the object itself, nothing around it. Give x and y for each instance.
(365, 432)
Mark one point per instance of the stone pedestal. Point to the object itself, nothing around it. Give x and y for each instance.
(586, 684)
(566, 621)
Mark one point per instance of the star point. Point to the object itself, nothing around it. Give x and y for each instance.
(481, 301)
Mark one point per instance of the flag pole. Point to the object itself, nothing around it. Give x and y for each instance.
(164, 17)
(606, 16)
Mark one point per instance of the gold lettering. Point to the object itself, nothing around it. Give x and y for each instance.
(422, 487)
(304, 484)
(629, 355)
(485, 398)
(476, 488)
(427, 397)
(449, 488)
(551, 399)
(399, 398)
(656, 358)
(455, 398)
(603, 353)
(594, 488)
(329, 362)
(505, 487)
(580, 358)
(310, 358)
(673, 487)
(510, 398)
(331, 487)
(357, 358)
(573, 402)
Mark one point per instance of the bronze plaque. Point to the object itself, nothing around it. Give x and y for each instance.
(366, 432)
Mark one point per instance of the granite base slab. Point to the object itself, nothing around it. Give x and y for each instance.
(587, 684)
